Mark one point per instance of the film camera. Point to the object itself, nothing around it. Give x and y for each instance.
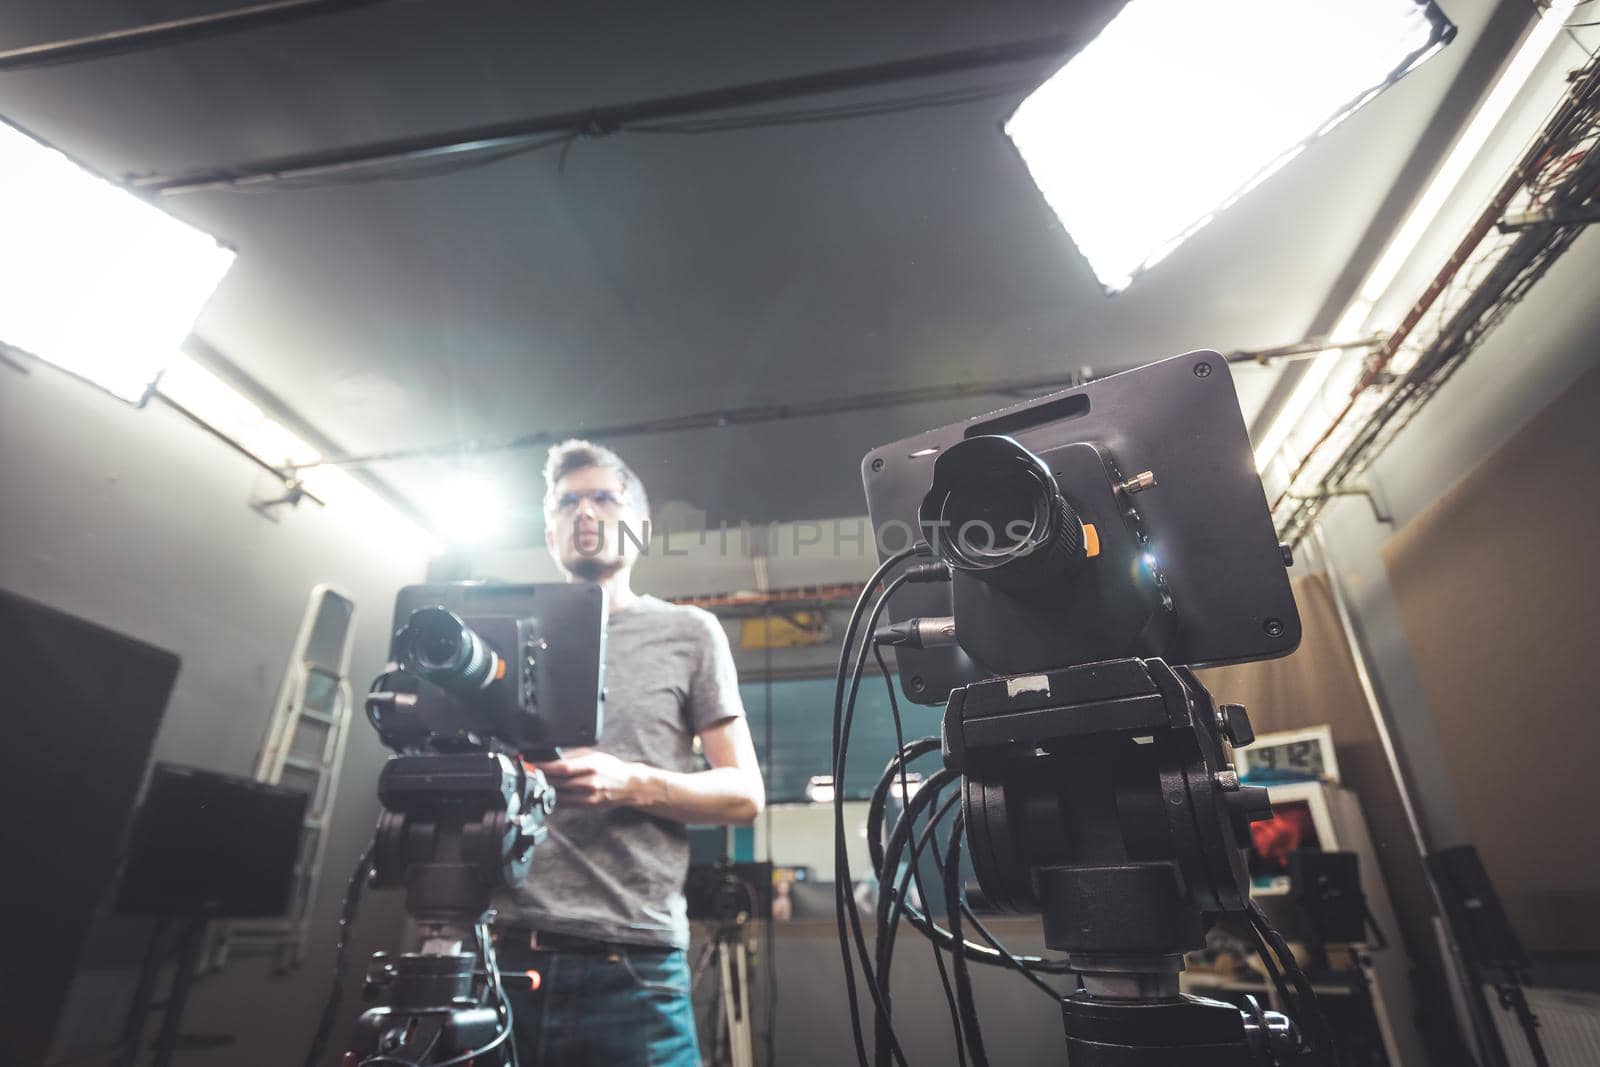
(1097, 545)
(481, 676)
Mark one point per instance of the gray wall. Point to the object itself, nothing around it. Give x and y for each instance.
(1545, 344)
(139, 521)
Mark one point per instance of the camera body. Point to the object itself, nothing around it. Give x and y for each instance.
(1119, 518)
(479, 665)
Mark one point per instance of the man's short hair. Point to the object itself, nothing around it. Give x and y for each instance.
(577, 455)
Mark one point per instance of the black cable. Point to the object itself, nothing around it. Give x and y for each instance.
(878, 799)
(888, 917)
(915, 858)
(497, 989)
(347, 916)
(842, 860)
(1011, 960)
(841, 890)
(1310, 1009)
(865, 109)
(892, 896)
(924, 924)
(927, 836)
(1273, 975)
(400, 172)
(952, 901)
(471, 1054)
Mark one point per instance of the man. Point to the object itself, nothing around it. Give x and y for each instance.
(601, 917)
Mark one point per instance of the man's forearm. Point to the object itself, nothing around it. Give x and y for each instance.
(719, 796)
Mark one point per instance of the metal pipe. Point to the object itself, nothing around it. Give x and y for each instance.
(171, 31)
(759, 413)
(287, 477)
(601, 121)
(725, 417)
(1482, 1025)
(1300, 348)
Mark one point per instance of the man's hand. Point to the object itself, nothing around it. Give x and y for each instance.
(587, 777)
(729, 794)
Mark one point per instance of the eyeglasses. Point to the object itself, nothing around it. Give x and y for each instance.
(602, 499)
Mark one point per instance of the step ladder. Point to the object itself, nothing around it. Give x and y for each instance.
(303, 750)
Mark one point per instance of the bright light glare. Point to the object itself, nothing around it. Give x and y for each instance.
(473, 511)
(92, 278)
(1179, 108)
(219, 404)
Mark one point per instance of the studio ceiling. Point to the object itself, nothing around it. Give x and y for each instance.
(654, 274)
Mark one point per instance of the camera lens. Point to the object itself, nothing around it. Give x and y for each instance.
(438, 645)
(994, 510)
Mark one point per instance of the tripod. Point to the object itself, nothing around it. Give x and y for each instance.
(454, 829)
(729, 953)
(1098, 796)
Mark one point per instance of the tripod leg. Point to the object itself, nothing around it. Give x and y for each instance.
(190, 938)
(730, 1009)
(133, 1029)
(743, 1054)
(1513, 997)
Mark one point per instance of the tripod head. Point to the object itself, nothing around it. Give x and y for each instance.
(456, 828)
(1100, 797)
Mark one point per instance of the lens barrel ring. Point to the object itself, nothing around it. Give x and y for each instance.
(1051, 547)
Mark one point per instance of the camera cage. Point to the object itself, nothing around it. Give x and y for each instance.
(1202, 533)
(547, 687)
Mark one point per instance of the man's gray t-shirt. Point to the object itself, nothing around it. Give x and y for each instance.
(617, 874)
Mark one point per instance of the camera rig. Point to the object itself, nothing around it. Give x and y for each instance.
(1089, 548)
(481, 677)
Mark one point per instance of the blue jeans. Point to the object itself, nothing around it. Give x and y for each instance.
(626, 1008)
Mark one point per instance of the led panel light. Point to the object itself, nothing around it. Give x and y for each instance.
(1178, 108)
(93, 279)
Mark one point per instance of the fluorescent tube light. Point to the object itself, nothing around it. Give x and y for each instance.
(1178, 108)
(819, 789)
(1292, 423)
(93, 279)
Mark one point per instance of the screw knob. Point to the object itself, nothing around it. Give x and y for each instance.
(1234, 722)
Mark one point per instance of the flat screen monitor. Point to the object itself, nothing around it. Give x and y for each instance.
(81, 706)
(211, 845)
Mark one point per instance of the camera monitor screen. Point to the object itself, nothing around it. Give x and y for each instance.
(519, 666)
(1120, 518)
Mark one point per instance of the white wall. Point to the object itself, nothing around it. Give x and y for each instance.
(139, 521)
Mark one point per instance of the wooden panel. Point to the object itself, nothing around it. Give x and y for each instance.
(1497, 585)
(1316, 685)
